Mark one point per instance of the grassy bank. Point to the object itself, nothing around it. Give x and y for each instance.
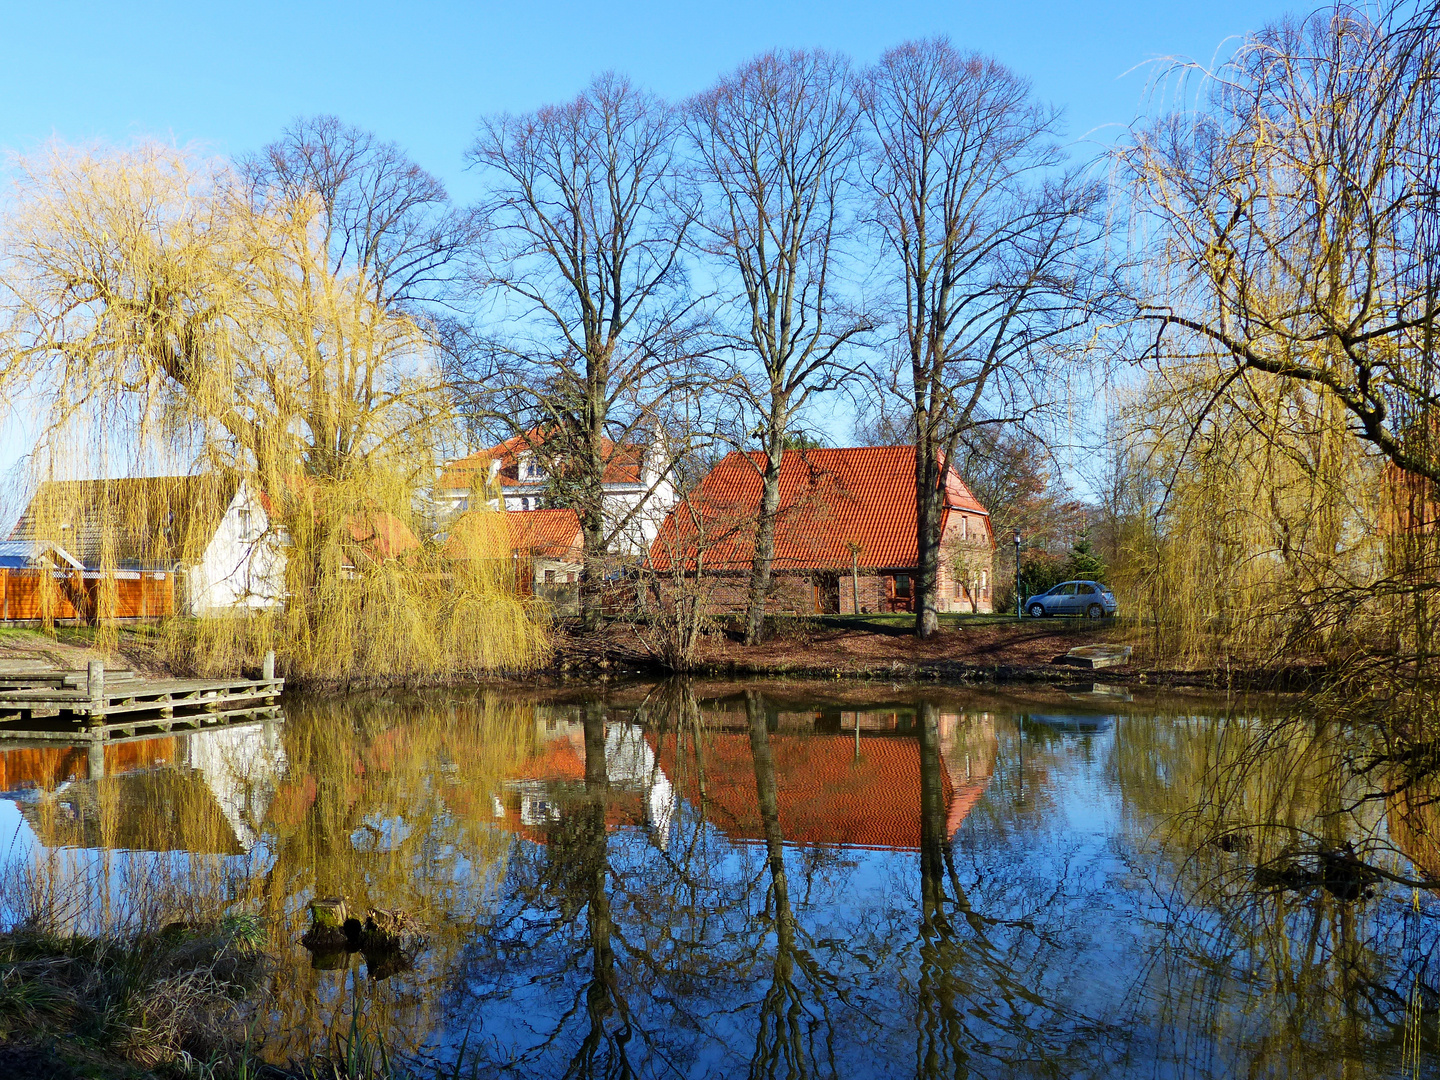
(183, 1002)
(175, 1002)
(968, 648)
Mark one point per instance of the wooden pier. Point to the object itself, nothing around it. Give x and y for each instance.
(61, 706)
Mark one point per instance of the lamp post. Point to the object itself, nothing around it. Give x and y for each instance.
(1019, 599)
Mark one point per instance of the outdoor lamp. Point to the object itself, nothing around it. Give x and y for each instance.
(1019, 599)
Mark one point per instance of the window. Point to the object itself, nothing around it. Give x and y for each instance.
(902, 586)
(524, 504)
(1066, 590)
(964, 527)
(1086, 590)
(570, 578)
(959, 591)
(549, 577)
(984, 581)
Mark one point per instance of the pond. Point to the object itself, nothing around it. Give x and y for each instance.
(774, 879)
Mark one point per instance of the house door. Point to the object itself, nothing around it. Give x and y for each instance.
(827, 594)
(898, 593)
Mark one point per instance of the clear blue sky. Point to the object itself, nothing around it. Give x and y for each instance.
(230, 75)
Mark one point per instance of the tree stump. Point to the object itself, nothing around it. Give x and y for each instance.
(329, 917)
(387, 933)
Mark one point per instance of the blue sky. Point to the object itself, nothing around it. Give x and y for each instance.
(231, 75)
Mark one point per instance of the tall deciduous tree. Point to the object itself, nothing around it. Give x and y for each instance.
(775, 155)
(988, 249)
(378, 213)
(585, 231)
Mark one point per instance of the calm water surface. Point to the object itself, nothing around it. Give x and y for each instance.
(698, 880)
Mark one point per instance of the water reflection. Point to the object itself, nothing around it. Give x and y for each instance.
(784, 881)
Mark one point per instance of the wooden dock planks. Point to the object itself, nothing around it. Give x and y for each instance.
(131, 706)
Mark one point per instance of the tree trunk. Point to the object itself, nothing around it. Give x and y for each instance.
(592, 502)
(929, 517)
(764, 557)
(592, 571)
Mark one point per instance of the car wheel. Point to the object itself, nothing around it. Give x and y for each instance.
(1095, 611)
(1036, 611)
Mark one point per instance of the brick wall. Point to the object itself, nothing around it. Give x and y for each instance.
(794, 592)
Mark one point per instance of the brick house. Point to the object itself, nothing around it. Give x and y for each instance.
(844, 537)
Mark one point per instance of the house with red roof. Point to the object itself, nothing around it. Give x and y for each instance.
(844, 537)
(545, 548)
(515, 475)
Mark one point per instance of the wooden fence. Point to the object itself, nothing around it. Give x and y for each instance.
(116, 594)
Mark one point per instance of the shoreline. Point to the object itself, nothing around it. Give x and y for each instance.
(966, 651)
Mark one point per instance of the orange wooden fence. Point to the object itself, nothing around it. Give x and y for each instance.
(137, 594)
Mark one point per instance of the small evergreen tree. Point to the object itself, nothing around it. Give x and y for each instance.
(1083, 562)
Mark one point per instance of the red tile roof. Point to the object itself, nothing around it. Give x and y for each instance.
(548, 534)
(553, 534)
(623, 464)
(828, 498)
(824, 793)
(381, 535)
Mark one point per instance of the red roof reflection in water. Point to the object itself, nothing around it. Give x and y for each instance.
(830, 789)
(825, 794)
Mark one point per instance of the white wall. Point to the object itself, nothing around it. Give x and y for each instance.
(244, 564)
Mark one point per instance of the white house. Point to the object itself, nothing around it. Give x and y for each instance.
(212, 531)
(636, 484)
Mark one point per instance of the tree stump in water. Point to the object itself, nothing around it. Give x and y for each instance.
(330, 928)
(389, 925)
(387, 932)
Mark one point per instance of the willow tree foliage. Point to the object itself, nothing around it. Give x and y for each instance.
(162, 313)
(1289, 229)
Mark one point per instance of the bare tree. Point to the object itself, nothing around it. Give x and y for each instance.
(1294, 225)
(582, 262)
(776, 149)
(379, 213)
(988, 251)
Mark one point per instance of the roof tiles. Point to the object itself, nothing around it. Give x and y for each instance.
(829, 499)
(622, 464)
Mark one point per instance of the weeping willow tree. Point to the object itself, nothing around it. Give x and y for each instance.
(1290, 229)
(1255, 535)
(168, 314)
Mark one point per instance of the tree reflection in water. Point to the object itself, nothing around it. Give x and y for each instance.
(650, 881)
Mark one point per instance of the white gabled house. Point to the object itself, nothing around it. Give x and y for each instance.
(511, 476)
(213, 532)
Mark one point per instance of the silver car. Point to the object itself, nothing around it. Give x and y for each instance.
(1088, 598)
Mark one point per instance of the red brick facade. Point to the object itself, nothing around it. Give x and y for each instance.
(844, 537)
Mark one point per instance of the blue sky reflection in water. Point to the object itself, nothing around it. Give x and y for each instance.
(974, 882)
